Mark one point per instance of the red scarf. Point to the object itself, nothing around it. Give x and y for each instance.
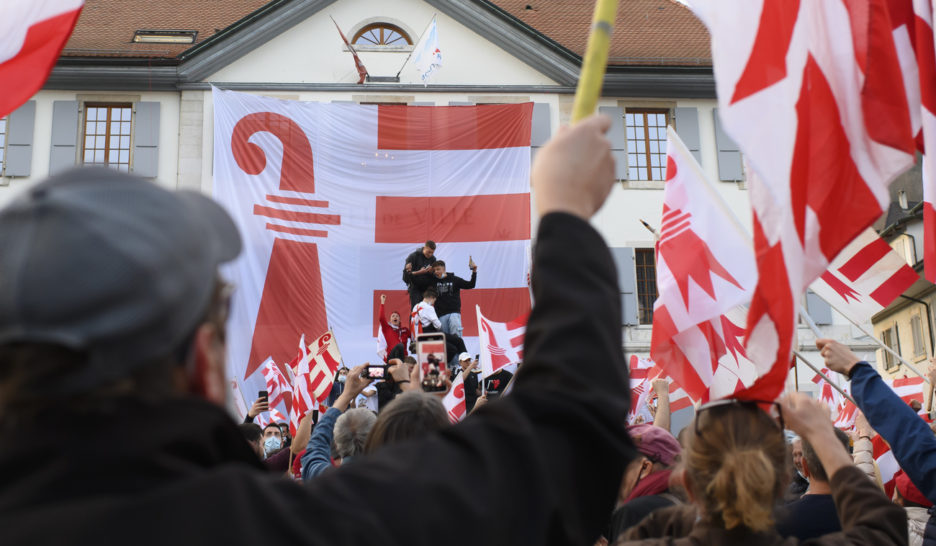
(654, 484)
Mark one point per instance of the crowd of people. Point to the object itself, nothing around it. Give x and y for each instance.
(112, 388)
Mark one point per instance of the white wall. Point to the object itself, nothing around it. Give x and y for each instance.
(42, 136)
(312, 51)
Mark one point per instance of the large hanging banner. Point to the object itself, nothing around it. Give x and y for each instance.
(331, 198)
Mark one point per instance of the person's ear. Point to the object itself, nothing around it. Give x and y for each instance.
(207, 379)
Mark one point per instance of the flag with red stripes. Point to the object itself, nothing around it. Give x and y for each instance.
(501, 342)
(908, 389)
(912, 23)
(33, 34)
(640, 387)
(331, 198)
(279, 387)
(646, 370)
(864, 278)
(812, 93)
(828, 395)
(274, 416)
(847, 414)
(886, 463)
(705, 271)
(358, 65)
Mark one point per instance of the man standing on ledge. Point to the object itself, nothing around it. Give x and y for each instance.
(417, 273)
(112, 328)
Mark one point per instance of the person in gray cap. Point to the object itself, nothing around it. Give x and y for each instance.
(112, 328)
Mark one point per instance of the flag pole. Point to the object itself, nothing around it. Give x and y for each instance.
(825, 377)
(400, 71)
(656, 234)
(876, 341)
(595, 60)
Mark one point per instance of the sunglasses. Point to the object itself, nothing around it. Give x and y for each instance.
(753, 405)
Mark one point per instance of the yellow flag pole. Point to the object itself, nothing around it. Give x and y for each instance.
(595, 60)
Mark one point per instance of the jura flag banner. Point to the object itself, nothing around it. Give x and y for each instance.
(331, 198)
(864, 278)
(813, 95)
(501, 342)
(454, 401)
(32, 34)
(705, 272)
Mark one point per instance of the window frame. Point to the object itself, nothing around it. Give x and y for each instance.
(382, 25)
(647, 169)
(645, 279)
(892, 334)
(109, 106)
(916, 333)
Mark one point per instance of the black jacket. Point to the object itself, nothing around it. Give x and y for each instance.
(179, 472)
(449, 287)
(419, 261)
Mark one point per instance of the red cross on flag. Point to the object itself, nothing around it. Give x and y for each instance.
(812, 93)
(864, 278)
(331, 198)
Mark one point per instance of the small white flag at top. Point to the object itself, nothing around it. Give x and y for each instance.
(427, 57)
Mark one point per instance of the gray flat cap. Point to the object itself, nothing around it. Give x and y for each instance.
(111, 265)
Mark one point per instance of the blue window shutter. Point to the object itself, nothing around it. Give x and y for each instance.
(729, 155)
(146, 139)
(64, 136)
(687, 127)
(627, 283)
(618, 137)
(20, 129)
(819, 310)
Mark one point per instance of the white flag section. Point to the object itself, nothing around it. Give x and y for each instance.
(501, 342)
(427, 57)
(331, 198)
(705, 271)
(812, 94)
(454, 401)
(908, 389)
(864, 278)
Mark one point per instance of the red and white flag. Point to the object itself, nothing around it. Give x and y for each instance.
(864, 278)
(454, 401)
(912, 22)
(331, 198)
(828, 394)
(908, 389)
(847, 414)
(640, 386)
(358, 65)
(279, 387)
(886, 463)
(501, 342)
(705, 271)
(32, 34)
(812, 93)
(274, 416)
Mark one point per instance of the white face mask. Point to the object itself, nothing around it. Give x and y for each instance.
(342, 378)
(271, 444)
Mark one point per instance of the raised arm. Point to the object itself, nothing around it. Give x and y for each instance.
(554, 451)
(911, 440)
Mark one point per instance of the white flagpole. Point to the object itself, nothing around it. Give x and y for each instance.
(825, 377)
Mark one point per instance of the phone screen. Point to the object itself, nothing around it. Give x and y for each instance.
(375, 372)
(430, 354)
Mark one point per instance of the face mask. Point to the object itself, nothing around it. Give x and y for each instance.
(271, 444)
(342, 378)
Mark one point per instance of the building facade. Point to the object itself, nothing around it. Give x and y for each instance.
(133, 91)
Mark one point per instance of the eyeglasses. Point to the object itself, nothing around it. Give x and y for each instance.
(754, 405)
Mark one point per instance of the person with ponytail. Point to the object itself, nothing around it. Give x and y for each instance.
(735, 471)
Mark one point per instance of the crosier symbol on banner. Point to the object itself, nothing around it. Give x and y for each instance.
(285, 293)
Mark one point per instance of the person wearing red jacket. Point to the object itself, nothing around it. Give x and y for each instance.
(396, 335)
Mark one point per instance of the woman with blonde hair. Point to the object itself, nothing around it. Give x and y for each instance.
(735, 471)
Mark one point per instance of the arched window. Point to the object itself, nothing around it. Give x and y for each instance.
(382, 34)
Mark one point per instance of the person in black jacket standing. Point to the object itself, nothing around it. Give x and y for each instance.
(417, 271)
(448, 303)
(112, 328)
